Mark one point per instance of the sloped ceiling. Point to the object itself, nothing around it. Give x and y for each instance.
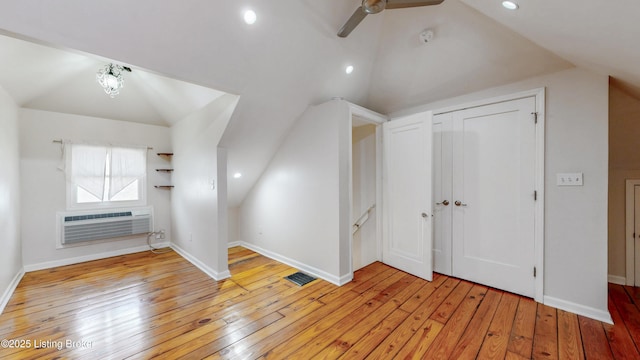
(598, 35)
(469, 52)
(291, 58)
(50, 79)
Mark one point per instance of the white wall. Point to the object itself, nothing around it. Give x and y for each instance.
(293, 212)
(44, 190)
(11, 254)
(575, 262)
(233, 228)
(624, 163)
(199, 212)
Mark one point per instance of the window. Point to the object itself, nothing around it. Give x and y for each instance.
(103, 176)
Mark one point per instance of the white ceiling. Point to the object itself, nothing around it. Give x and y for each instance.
(291, 58)
(598, 35)
(469, 52)
(46, 78)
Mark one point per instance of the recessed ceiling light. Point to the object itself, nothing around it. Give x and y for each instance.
(237, 176)
(511, 5)
(250, 17)
(349, 69)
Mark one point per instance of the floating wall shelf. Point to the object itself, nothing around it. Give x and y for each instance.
(167, 156)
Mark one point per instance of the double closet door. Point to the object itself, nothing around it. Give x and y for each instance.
(484, 195)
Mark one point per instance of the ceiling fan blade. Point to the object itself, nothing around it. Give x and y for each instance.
(353, 21)
(398, 4)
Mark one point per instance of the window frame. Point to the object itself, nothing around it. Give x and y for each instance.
(72, 189)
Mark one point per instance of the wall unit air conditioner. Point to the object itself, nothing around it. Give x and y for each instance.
(83, 227)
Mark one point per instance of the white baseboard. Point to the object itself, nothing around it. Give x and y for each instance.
(597, 314)
(200, 265)
(91, 257)
(619, 280)
(6, 296)
(298, 265)
(234, 243)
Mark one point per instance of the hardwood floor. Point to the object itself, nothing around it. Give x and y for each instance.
(144, 305)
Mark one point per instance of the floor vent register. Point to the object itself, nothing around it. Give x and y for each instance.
(300, 279)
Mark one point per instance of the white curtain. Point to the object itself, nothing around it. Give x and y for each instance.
(87, 166)
(127, 166)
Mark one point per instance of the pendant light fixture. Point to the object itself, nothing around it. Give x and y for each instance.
(110, 78)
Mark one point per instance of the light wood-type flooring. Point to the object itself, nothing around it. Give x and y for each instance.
(144, 305)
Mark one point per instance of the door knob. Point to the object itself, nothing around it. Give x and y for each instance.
(445, 203)
(459, 203)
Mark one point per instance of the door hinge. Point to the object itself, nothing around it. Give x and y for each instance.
(535, 117)
(535, 195)
(534, 271)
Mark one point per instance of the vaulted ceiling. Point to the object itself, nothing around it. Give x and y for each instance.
(291, 57)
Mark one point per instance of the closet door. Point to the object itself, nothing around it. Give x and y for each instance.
(493, 195)
(442, 192)
(407, 190)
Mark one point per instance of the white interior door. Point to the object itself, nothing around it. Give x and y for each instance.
(442, 192)
(407, 190)
(493, 195)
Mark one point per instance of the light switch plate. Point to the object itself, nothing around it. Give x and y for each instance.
(569, 179)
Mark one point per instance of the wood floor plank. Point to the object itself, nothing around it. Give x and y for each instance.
(628, 310)
(343, 342)
(497, 338)
(303, 338)
(271, 346)
(428, 287)
(234, 350)
(545, 339)
(168, 325)
(145, 305)
(618, 335)
(569, 337)
(373, 337)
(594, 339)
(447, 339)
(471, 341)
(375, 309)
(416, 326)
(521, 340)
(451, 303)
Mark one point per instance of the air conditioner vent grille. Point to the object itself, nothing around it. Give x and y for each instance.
(82, 227)
(96, 216)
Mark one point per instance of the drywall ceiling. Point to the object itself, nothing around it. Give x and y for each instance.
(469, 52)
(46, 78)
(598, 35)
(291, 57)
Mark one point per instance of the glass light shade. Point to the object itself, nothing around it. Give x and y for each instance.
(110, 78)
(111, 81)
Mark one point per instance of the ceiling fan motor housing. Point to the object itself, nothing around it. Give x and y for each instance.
(373, 6)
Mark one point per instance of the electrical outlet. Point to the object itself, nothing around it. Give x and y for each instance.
(569, 179)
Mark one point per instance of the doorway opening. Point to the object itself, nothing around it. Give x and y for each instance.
(364, 250)
(366, 186)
